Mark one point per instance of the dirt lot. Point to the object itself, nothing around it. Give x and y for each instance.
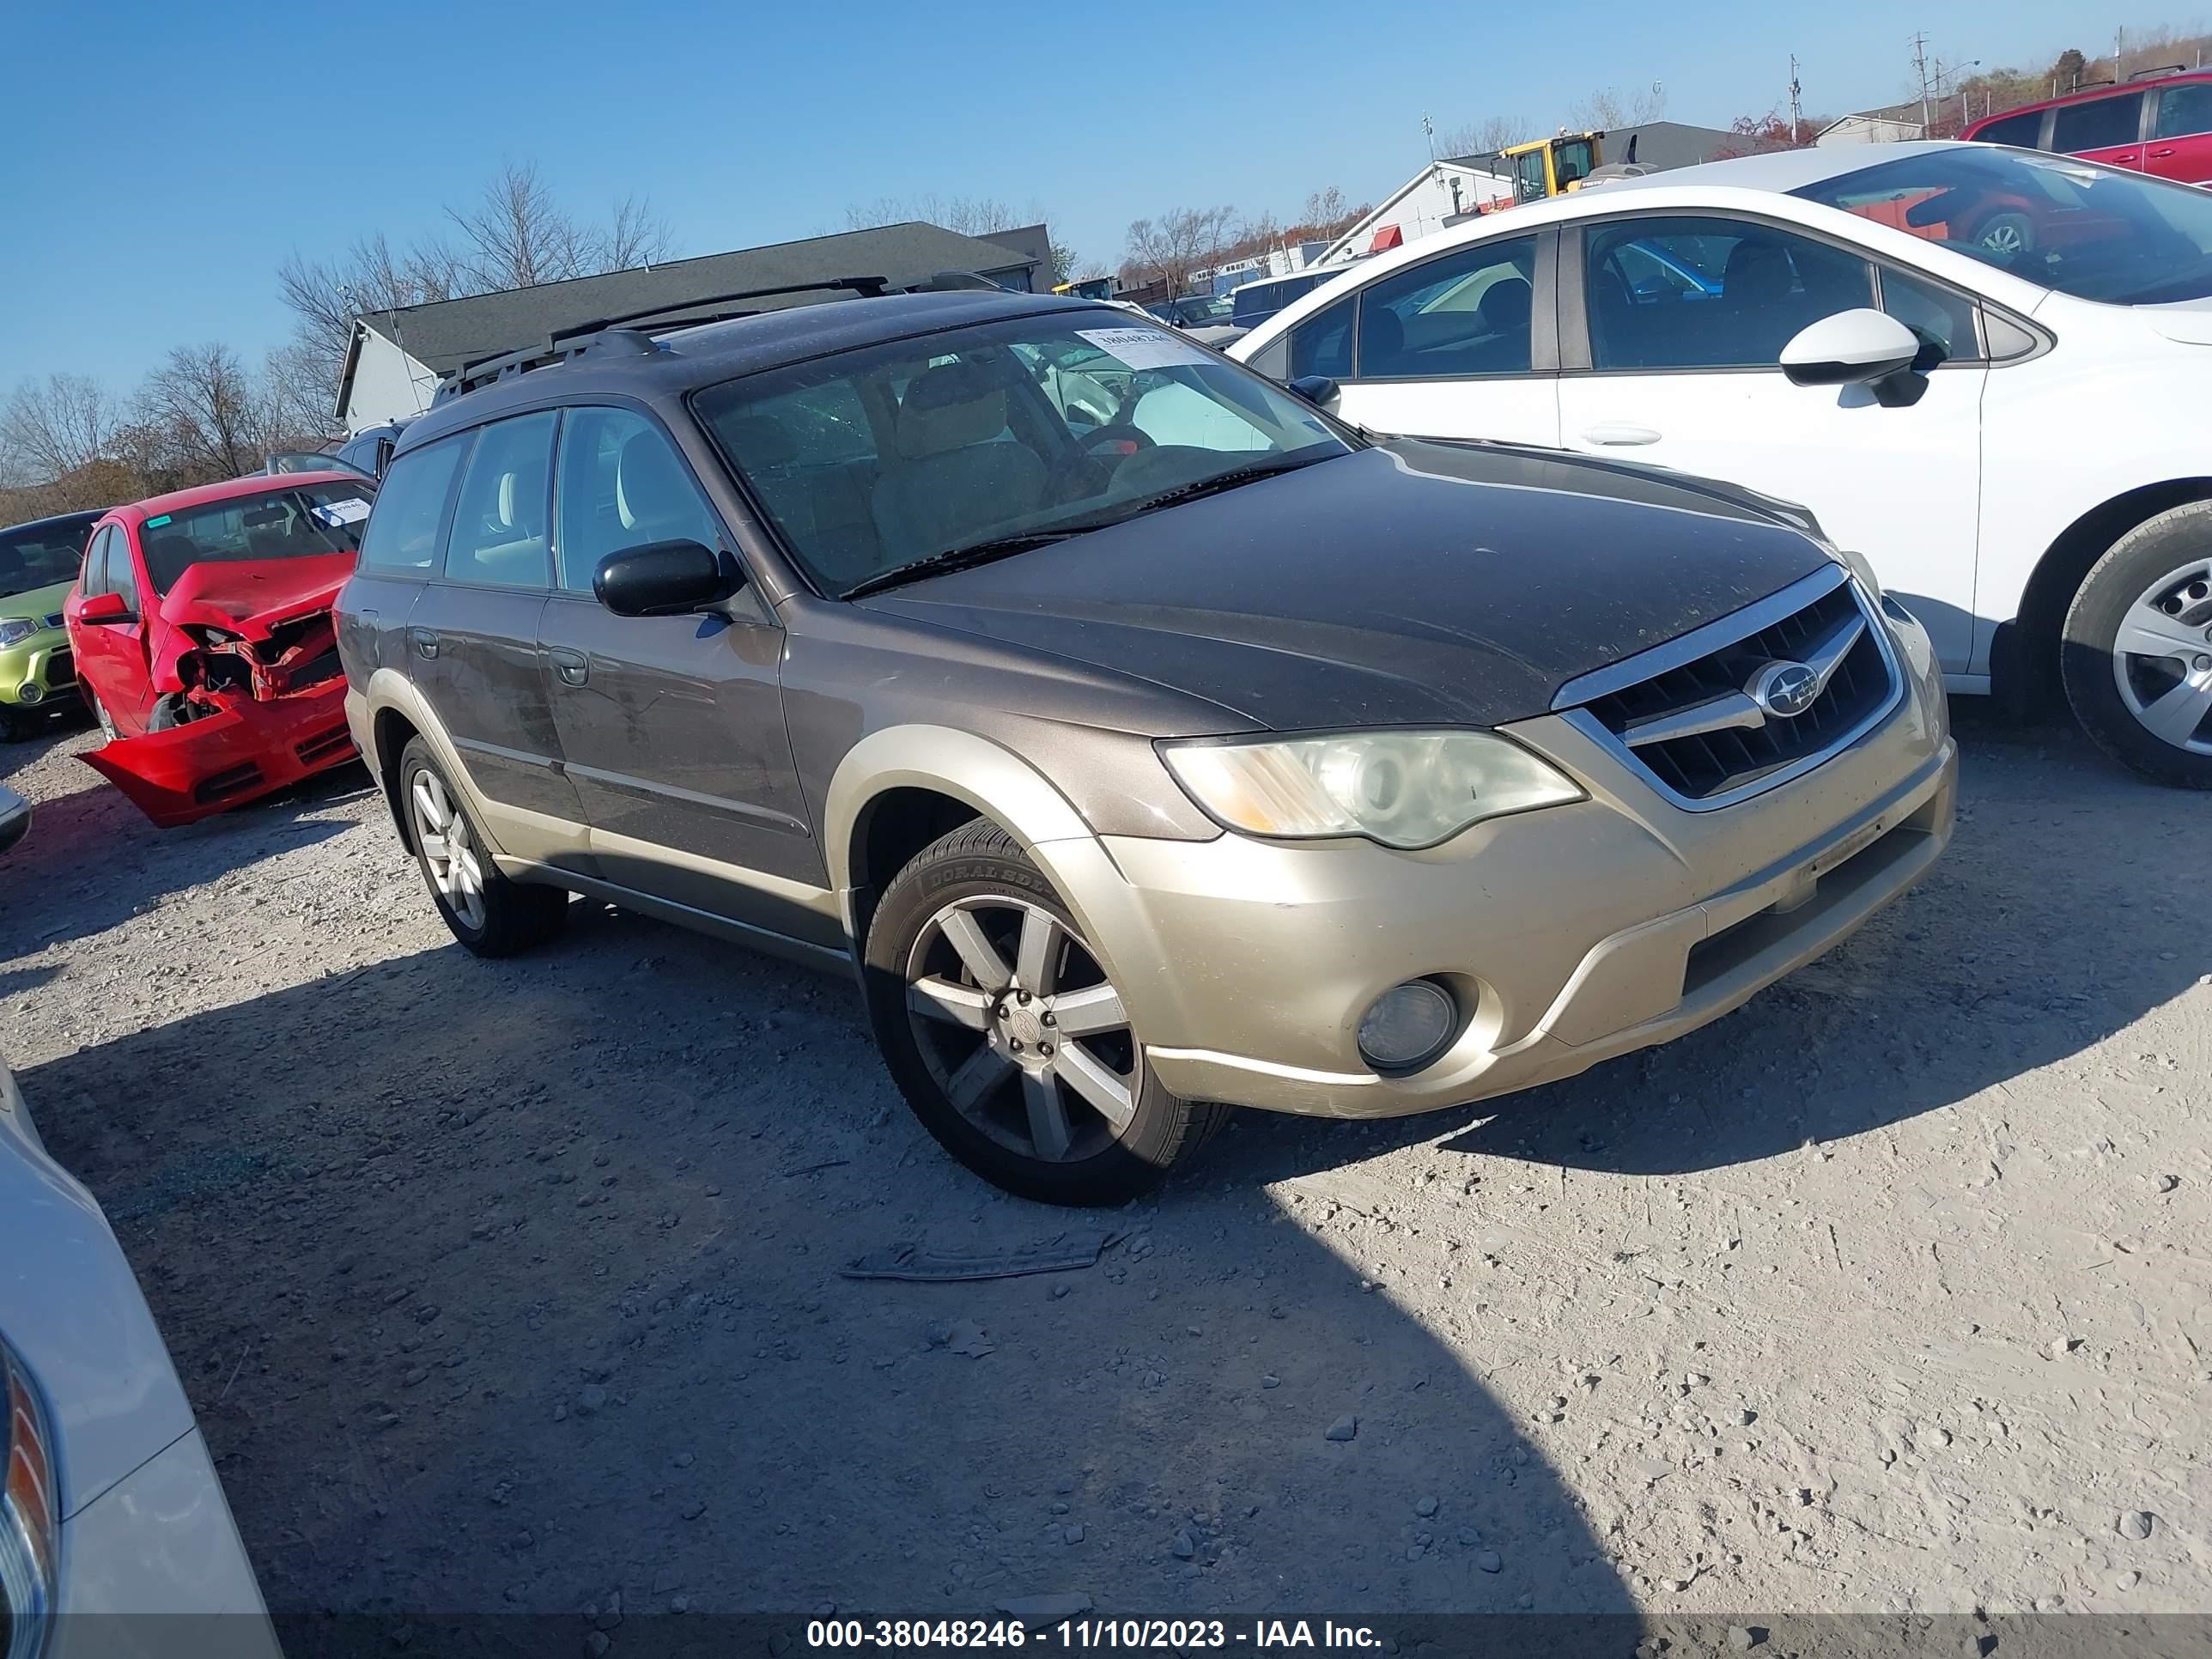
(508, 1286)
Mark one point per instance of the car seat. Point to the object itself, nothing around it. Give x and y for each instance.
(958, 470)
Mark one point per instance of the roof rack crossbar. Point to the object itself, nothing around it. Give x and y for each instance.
(866, 287)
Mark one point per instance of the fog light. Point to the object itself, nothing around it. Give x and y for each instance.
(1408, 1026)
(31, 691)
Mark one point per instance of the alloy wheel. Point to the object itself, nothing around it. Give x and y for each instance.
(1021, 1029)
(449, 852)
(2162, 658)
(2005, 238)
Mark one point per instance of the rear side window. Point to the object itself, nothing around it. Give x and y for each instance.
(1322, 344)
(2185, 111)
(501, 535)
(1465, 313)
(403, 531)
(2019, 131)
(623, 485)
(2099, 124)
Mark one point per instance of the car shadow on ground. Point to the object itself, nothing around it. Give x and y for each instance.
(506, 1285)
(2052, 922)
(92, 860)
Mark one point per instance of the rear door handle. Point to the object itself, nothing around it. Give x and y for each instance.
(425, 643)
(573, 669)
(2160, 154)
(1617, 434)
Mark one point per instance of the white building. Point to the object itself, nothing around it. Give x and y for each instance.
(1442, 194)
(1876, 126)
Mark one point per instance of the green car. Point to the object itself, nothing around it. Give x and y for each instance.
(39, 563)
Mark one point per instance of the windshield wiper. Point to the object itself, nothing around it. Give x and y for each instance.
(1216, 483)
(959, 558)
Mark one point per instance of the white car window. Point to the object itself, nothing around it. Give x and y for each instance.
(1675, 292)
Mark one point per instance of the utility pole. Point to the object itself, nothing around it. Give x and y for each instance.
(1429, 127)
(1796, 104)
(1920, 67)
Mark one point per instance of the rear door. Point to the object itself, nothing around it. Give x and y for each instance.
(112, 655)
(2180, 146)
(1461, 345)
(2107, 128)
(671, 727)
(1686, 316)
(471, 638)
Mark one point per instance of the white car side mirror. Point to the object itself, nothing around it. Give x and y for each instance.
(1864, 347)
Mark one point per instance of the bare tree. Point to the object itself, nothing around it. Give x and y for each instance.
(1486, 136)
(52, 427)
(517, 235)
(201, 413)
(1177, 244)
(970, 216)
(1606, 109)
(634, 236)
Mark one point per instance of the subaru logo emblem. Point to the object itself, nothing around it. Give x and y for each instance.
(1785, 689)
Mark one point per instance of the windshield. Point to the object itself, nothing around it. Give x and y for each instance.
(40, 555)
(2091, 231)
(311, 521)
(871, 461)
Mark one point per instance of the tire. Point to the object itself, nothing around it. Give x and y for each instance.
(2149, 707)
(489, 914)
(951, 929)
(100, 717)
(13, 728)
(2008, 235)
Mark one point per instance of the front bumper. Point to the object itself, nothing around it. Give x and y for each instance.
(1572, 935)
(253, 748)
(39, 671)
(153, 1569)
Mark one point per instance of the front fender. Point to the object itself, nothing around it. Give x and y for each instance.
(1006, 789)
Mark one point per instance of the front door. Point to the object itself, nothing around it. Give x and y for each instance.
(112, 655)
(1687, 320)
(671, 727)
(2181, 134)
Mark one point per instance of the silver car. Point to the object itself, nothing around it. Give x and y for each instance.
(111, 1505)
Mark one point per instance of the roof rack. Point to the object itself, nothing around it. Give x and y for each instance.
(612, 336)
(2162, 69)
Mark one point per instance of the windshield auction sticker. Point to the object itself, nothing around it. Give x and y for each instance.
(1145, 347)
(350, 509)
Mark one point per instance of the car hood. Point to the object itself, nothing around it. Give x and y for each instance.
(253, 597)
(71, 1309)
(38, 603)
(1408, 583)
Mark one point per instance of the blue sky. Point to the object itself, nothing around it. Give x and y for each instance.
(162, 160)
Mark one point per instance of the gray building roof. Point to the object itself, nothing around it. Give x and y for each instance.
(1659, 145)
(445, 334)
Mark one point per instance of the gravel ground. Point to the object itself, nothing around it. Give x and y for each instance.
(514, 1285)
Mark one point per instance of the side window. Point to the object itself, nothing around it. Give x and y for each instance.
(1466, 312)
(2019, 131)
(2185, 111)
(621, 485)
(1944, 321)
(1529, 183)
(1322, 344)
(402, 533)
(1273, 359)
(95, 579)
(1573, 161)
(2099, 123)
(1691, 292)
(499, 535)
(122, 574)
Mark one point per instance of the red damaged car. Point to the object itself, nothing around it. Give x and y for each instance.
(202, 629)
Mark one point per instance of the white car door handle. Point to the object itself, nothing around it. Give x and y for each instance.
(1618, 434)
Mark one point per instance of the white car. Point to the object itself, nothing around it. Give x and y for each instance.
(110, 1505)
(1983, 369)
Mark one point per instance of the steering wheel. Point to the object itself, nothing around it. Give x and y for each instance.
(1117, 437)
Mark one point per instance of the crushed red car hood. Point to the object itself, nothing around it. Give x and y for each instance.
(254, 596)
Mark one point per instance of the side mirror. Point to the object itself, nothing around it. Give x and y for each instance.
(1317, 389)
(106, 607)
(1863, 347)
(660, 579)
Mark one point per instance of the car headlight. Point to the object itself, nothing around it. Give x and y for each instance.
(14, 630)
(1403, 789)
(1859, 566)
(29, 1514)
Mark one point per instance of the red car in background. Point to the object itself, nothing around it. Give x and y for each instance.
(2161, 126)
(204, 641)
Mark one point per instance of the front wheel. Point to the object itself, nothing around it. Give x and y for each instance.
(2136, 651)
(1006, 1035)
(489, 914)
(101, 717)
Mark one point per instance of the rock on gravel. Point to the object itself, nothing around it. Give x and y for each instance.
(1345, 1428)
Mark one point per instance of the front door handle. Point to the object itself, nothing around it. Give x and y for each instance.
(2160, 154)
(571, 665)
(1616, 434)
(425, 643)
